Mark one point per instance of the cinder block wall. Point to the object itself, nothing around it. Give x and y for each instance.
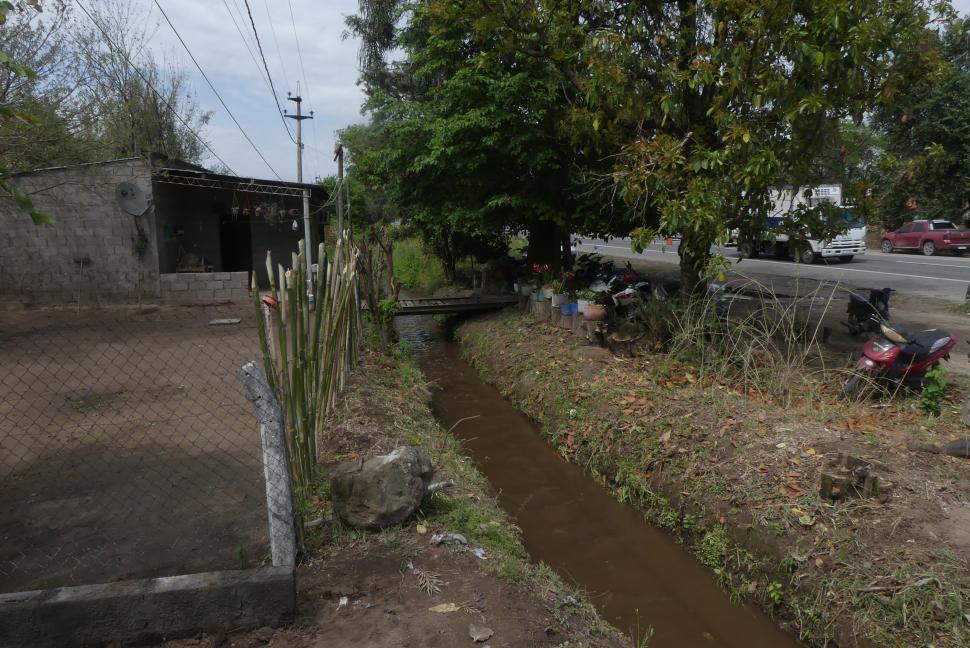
(204, 287)
(94, 252)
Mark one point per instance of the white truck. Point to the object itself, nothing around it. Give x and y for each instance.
(844, 247)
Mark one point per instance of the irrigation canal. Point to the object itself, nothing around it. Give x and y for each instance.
(636, 575)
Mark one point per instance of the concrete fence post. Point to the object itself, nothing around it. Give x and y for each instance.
(279, 494)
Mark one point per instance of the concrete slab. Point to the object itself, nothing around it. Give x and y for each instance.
(147, 610)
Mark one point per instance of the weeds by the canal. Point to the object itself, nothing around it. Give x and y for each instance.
(765, 345)
(416, 268)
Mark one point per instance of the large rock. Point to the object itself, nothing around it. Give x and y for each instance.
(380, 491)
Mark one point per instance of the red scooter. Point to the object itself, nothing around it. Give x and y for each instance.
(899, 358)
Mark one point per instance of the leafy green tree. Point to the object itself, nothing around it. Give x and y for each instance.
(928, 137)
(681, 115)
(14, 115)
(474, 148)
(737, 96)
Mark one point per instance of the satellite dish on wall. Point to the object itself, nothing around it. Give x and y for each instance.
(131, 198)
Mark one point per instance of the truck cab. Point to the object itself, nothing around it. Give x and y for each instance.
(844, 247)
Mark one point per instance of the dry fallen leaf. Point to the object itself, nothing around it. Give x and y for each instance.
(819, 562)
(444, 607)
(752, 587)
(708, 636)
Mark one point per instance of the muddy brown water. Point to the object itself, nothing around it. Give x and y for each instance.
(636, 575)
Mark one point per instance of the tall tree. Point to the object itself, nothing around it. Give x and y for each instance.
(14, 70)
(475, 146)
(928, 137)
(96, 90)
(697, 107)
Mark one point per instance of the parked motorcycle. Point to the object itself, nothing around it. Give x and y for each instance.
(865, 316)
(899, 358)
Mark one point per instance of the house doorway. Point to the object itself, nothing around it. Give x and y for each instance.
(236, 240)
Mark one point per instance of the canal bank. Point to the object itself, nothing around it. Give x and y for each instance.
(735, 479)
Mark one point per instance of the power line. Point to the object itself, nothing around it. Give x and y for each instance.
(306, 80)
(272, 87)
(148, 83)
(272, 30)
(216, 92)
(262, 75)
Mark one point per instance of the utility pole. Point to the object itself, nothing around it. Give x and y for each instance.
(299, 117)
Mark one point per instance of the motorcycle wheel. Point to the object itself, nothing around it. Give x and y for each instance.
(852, 386)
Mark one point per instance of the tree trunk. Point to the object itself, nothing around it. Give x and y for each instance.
(695, 251)
(544, 243)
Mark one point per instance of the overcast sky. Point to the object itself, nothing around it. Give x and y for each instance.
(329, 85)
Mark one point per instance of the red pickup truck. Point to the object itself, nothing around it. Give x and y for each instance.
(930, 236)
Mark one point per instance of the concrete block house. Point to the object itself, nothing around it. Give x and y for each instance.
(148, 229)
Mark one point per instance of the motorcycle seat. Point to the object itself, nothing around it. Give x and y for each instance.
(925, 343)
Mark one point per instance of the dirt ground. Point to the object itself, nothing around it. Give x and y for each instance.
(735, 474)
(365, 589)
(127, 447)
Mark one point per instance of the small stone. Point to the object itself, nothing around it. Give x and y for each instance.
(444, 608)
(448, 538)
(479, 634)
(422, 529)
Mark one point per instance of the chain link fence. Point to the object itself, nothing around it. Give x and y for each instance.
(128, 448)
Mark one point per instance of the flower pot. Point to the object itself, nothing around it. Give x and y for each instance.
(581, 306)
(541, 295)
(559, 299)
(594, 313)
(547, 291)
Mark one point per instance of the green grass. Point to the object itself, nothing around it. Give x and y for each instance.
(416, 268)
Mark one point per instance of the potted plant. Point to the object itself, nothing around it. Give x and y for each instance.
(559, 296)
(594, 312)
(543, 271)
(585, 297)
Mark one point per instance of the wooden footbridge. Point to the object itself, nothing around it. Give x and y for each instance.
(454, 304)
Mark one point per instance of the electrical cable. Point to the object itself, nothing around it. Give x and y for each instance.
(272, 31)
(216, 92)
(252, 55)
(262, 55)
(111, 45)
(306, 80)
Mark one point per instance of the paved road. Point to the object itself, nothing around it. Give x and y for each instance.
(942, 276)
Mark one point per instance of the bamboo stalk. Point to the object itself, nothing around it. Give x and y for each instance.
(307, 350)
